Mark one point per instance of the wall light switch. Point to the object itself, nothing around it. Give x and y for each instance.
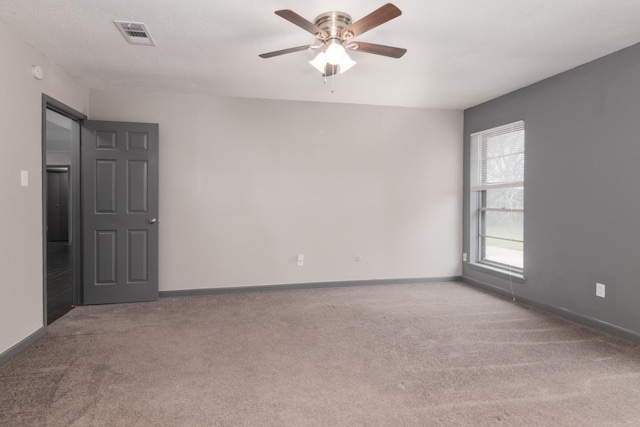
(464, 257)
(300, 260)
(600, 290)
(24, 178)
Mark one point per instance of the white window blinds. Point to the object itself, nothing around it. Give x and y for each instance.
(497, 157)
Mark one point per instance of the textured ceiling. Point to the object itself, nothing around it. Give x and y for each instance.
(460, 52)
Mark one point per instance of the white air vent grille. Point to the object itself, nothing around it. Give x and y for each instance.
(135, 33)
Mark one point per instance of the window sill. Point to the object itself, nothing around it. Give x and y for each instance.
(498, 272)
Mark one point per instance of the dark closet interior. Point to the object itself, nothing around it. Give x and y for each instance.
(59, 272)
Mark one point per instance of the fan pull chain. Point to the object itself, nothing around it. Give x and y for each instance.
(333, 81)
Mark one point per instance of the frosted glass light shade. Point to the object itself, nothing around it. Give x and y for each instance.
(319, 62)
(346, 63)
(335, 53)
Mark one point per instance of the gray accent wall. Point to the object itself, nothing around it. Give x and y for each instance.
(582, 190)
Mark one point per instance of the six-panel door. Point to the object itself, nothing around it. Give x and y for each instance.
(120, 208)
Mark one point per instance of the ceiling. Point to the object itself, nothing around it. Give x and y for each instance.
(460, 52)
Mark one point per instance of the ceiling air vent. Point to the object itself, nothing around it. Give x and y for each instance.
(135, 33)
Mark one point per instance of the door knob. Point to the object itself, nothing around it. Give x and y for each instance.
(153, 220)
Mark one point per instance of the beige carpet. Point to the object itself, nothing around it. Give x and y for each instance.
(439, 354)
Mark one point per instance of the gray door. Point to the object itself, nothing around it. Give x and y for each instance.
(120, 211)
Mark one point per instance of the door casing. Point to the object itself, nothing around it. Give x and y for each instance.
(57, 106)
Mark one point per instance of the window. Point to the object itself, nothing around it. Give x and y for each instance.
(497, 192)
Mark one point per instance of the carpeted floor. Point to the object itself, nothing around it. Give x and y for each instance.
(438, 354)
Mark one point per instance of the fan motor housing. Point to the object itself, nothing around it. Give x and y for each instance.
(333, 23)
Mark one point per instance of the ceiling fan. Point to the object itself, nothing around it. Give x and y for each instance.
(334, 32)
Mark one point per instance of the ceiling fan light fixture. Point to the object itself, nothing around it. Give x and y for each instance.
(334, 32)
(320, 63)
(335, 52)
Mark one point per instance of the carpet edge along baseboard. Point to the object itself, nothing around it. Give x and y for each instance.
(309, 285)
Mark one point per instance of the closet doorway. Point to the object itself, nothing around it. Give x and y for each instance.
(60, 196)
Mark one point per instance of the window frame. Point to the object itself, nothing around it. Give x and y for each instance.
(479, 199)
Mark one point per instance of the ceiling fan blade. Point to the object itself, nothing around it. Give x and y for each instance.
(372, 20)
(294, 18)
(378, 49)
(284, 51)
(330, 70)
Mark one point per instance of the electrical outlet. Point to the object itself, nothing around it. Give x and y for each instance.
(464, 257)
(300, 260)
(358, 258)
(600, 290)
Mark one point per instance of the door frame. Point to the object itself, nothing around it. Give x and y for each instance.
(74, 177)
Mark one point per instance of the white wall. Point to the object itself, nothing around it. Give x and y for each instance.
(21, 290)
(245, 185)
